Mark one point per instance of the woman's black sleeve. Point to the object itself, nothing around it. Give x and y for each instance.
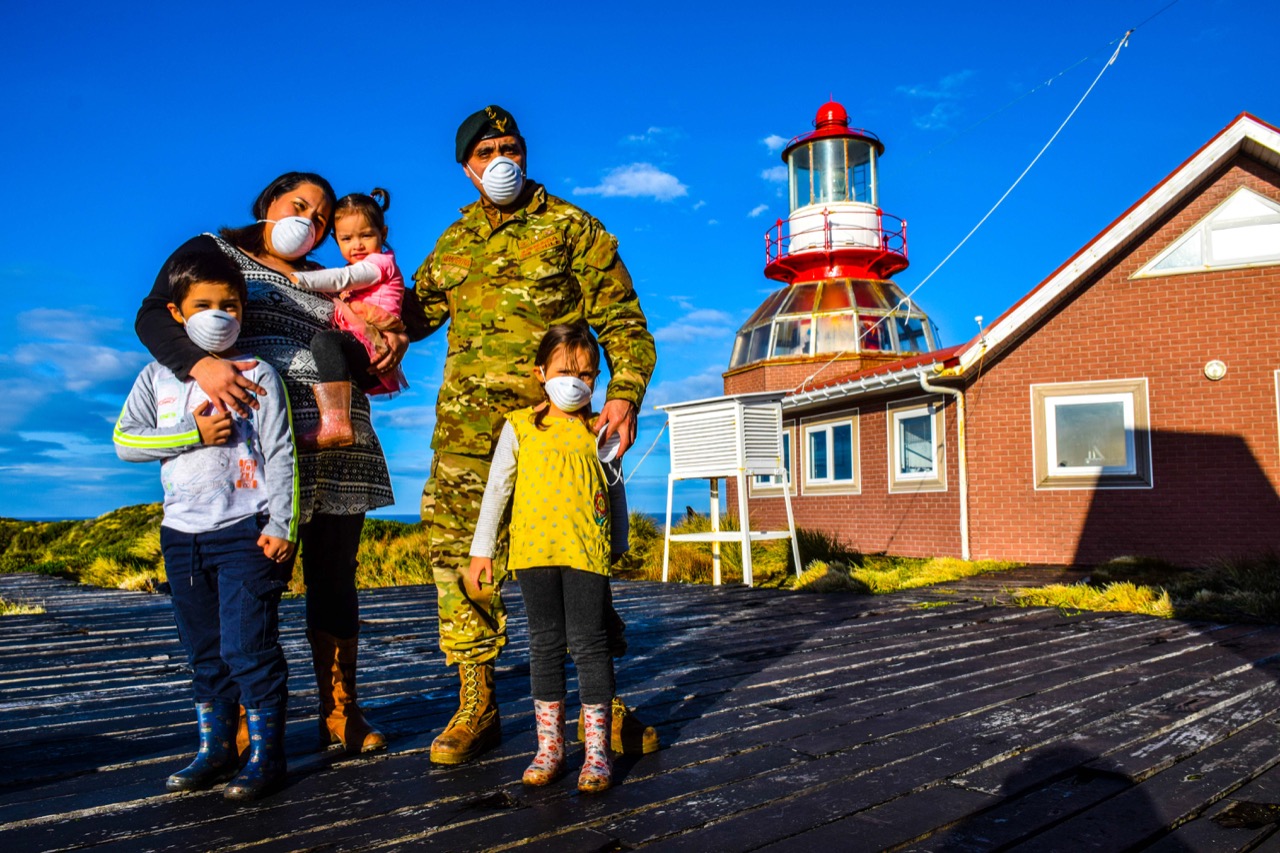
(162, 335)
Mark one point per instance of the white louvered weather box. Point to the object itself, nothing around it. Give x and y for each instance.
(740, 437)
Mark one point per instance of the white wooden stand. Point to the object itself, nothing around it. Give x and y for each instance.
(719, 438)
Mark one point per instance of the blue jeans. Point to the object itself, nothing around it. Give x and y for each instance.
(226, 597)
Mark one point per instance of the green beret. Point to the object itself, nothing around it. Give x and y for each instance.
(490, 122)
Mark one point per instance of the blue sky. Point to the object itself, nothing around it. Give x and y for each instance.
(134, 126)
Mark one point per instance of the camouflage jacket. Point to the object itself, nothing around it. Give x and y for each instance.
(500, 289)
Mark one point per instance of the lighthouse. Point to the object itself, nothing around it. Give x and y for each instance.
(835, 255)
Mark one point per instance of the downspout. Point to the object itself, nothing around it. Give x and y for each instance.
(963, 460)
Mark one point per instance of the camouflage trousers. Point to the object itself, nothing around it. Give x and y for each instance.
(473, 629)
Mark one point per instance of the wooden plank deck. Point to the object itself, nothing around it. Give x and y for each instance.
(927, 721)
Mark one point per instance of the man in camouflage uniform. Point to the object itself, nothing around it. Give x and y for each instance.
(501, 275)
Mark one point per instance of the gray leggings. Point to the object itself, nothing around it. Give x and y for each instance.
(567, 607)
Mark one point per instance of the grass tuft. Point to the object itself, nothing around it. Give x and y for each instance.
(1120, 596)
(19, 608)
(1238, 590)
(881, 574)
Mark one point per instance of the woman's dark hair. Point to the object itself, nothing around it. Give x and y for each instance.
(576, 338)
(250, 238)
(186, 270)
(370, 206)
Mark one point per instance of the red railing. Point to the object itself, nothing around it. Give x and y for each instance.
(889, 235)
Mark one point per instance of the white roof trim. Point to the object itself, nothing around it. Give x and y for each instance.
(1120, 233)
(909, 376)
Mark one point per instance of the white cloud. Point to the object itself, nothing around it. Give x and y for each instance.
(82, 365)
(69, 445)
(774, 142)
(713, 221)
(653, 135)
(76, 475)
(696, 326)
(757, 210)
(946, 88)
(637, 180)
(775, 174)
(701, 204)
(709, 383)
(67, 325)
(938, 118)
(408, 417)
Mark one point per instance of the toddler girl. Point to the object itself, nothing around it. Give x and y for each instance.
(568, 523)
(366, 304)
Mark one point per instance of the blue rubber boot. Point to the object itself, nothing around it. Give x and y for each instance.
(217, 760)
(265, 769)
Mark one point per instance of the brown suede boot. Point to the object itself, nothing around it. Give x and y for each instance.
(242, 734)
(476, 726)
(628, 736)
(341, 720)
(334, 402)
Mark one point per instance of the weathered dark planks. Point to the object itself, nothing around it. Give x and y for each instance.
(790, 722)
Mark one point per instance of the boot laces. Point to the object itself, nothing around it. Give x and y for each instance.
(469, 707)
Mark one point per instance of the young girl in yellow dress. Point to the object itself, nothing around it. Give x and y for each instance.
(568, 523)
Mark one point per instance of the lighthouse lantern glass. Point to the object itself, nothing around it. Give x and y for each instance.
(831, 170)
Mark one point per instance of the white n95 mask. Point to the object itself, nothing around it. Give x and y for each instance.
(569, 393)
(213, 330)
(502, 180)
(292, 237)
(608, 447)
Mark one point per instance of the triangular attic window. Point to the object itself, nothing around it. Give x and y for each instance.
(1242, 231)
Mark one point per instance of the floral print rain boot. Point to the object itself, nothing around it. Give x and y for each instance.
(597, 765)
(549, 760)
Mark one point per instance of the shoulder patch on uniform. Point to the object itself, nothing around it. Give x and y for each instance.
(532, 247)
(452, 260)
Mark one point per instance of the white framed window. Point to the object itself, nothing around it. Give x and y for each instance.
(831, 458)
(917, 461)
(1091, 434)
(1242, 231)
(770, 485)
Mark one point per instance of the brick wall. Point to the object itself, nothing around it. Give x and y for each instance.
(1215, 451)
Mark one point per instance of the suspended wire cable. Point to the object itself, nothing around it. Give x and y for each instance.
(646, 453)
(1041, 85)
(906, 300)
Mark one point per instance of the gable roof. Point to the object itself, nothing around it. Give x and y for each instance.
(1246, 134)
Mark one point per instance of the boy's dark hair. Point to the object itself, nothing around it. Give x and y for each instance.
(370, 206)
(576, 337)
(186, 270)
(251, 238)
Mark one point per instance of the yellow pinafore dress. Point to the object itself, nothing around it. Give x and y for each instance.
(560, 505)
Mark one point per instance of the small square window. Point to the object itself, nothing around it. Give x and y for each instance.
(1091, 434)
(916, 431)
(831, 455)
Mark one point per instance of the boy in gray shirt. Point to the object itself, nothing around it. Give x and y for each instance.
(229, 530)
